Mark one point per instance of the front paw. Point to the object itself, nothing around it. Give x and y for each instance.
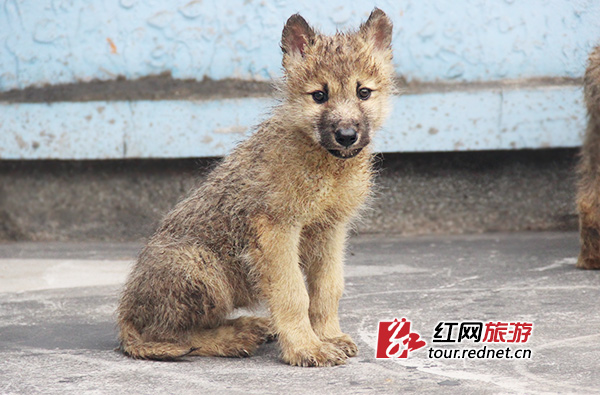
(319, 354)
(345, 344)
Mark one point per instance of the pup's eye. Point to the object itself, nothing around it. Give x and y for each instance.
(364, 93)
(319, 97)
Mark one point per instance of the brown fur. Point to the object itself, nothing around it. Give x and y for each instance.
(588, 194)
(270, 222)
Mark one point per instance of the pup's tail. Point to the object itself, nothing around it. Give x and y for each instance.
(133, 346)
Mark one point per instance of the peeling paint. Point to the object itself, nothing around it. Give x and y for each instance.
(20, 142)
(113, 47)
(236, 129)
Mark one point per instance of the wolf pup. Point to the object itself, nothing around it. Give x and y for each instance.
(270, 222)
(588, 194)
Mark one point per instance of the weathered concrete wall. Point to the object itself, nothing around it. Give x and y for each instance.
(466, 192)
(479, 75)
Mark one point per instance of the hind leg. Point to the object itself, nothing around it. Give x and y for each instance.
(239, 337)
(172, 291)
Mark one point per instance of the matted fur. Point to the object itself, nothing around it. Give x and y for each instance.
(588, 194)
(270, 221)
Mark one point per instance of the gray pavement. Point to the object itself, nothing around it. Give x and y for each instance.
(57, 331)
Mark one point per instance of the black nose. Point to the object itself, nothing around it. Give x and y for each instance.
(346, 137)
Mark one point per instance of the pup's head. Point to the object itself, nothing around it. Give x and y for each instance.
(337, 88)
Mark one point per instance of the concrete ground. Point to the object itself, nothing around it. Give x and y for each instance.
(57, 332)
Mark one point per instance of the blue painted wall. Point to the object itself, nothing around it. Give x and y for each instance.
(455, 121)
(52, 42)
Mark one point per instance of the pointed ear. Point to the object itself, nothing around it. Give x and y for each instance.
(378, 29)
(297, 34)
